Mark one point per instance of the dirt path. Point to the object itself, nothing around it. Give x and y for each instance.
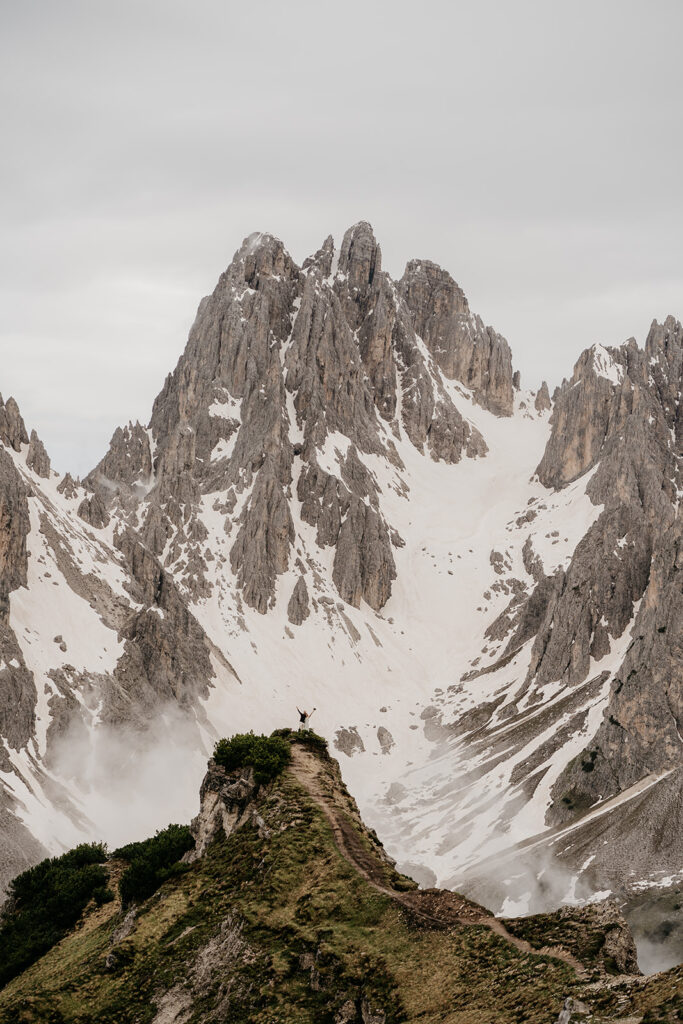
(435, 908)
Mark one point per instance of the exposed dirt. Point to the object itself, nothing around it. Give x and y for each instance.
(430, 908)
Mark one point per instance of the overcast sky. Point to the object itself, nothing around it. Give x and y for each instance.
(533, 148)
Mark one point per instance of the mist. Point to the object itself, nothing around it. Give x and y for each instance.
(128, 783)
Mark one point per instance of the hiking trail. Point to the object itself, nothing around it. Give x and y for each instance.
(442, 909)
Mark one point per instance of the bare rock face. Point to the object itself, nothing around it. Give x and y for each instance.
(18, 694)
(279, 360)
(12, 429)
(93, 511)
(618, 420)
(370, 309)
(297, 609)
(618, 950)
(640, 734)
(17, 688)
(385, 739)
(325, 370)
(37, 458)
(430, 419)
(363, 563)
(619, 412)
(542, 400)
(348, 740)
(19, 850)
(226, 804)
(261, 549)
(167, 656)
(360, 258)
(462, 346)
(593, 600)
(128, 463)
(14, 527)
(606, 389)
(67, 486)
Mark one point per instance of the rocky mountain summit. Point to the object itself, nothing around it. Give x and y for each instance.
(287, 908)
(345, 498)
(283, 362)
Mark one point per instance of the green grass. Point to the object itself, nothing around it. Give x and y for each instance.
(276, 926)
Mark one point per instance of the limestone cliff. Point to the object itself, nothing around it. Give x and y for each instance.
(282, 360)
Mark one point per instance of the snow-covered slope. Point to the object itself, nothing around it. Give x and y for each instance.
(344, 500)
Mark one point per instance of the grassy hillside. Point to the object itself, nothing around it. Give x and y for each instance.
(298, 917)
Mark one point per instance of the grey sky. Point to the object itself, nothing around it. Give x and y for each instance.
(534, 148)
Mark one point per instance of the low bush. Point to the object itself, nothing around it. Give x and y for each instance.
(267, 755)
(152, 861)
(102, 895)
(45, 902)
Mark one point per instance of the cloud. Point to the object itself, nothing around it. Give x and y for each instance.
(533, 151)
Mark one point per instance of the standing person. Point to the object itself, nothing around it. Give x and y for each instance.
(303, 718)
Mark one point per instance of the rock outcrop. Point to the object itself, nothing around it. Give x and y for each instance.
(17, 688)
(297, 609)
(14, 528)
(68, 486)
(226, 803)
(542, 400)
(282, 360)
(93, 511)
(462, 346)
(618, 416)
(37, 458)
(12, 430)
(623, 408)
(127, 464)
(308, 461)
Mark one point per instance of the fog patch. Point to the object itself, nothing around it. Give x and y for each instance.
(655, 918)
(130, 782)
(519, 882)
(420, 873)
(536, 882)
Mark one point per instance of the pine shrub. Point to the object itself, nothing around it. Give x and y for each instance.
(45, 902)
(152, 861)
(267, 755)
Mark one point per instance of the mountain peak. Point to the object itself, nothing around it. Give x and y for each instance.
(327, 501)
(12, 428)
(360, 256)
(262, 255)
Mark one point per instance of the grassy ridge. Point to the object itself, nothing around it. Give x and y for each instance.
(274, 925)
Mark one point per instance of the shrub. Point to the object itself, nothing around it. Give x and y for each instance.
(152, 861)
(45, 902)
(267, 755)
(102, 895)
